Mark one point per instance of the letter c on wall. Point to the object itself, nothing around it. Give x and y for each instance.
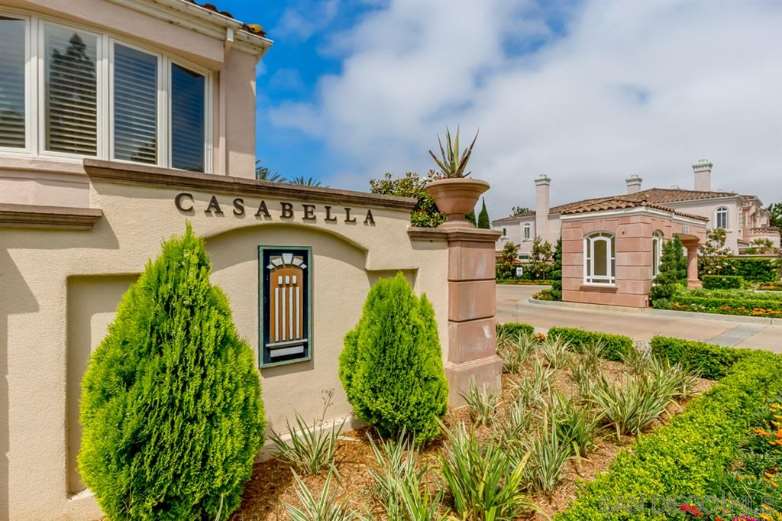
(179, 202)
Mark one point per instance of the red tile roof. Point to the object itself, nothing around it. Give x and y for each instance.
(659, 196)
(620, 203)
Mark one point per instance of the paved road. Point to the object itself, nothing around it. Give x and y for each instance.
(513, 304)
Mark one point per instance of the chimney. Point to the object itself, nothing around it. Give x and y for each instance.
(633, 184)
(542, 197)
(702, 170)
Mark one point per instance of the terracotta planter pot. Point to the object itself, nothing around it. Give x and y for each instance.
(456, 197)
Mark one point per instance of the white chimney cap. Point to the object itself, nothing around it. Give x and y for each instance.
(543, 179)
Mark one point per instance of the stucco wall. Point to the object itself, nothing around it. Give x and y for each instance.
(709, 209)
(65, 284)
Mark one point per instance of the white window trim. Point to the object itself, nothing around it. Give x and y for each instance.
(35, 95)
(717, 213)
(589, 254)
(526, 232)
(657, 247)
(29, 105)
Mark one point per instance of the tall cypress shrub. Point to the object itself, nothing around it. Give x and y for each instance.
(171, 400)
(483, 217)
(391, 366)
(672, 274)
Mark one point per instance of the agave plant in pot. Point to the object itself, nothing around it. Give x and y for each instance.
(453, 192)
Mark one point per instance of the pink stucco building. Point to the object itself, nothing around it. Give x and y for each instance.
(612, 245)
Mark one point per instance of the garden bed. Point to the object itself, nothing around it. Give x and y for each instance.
(728, 302)
(273, 485)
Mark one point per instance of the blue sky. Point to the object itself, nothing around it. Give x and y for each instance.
(587, 92)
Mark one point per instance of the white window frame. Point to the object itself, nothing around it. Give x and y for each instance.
(35, 95)
(657, 248)
(162, 119)
(722, 210)
(589, 254)
(29, 73)
(208, 152)
(527, 231)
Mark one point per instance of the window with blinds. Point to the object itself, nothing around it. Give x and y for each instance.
(71, 90)
(135, 105)
(188, 111)
(12, 83)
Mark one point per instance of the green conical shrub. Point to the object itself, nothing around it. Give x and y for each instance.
(483, 217)
(672, 273)
(171, 401)
(391, 366)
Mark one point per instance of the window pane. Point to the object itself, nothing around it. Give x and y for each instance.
(135, 105)
(12, 84)
(71, 91)
(188, 98)
(601, 258)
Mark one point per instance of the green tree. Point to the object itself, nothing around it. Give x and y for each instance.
(483, 217)
(518, 211)
(541, 259)
(391, 366)
(556, 273)
(305, 181)
(506, 261)
(713, 252)
(672, 273)
(262, 173)
(425, 213)
(171, 400)
(775, 214)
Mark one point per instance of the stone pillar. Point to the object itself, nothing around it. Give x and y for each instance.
(472, 342)
(692, 265)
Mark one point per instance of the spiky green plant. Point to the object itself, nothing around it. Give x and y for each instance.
(549, 451)
(483, 478)
(514, 347)
(556, 352)
(482, 403)
(513, 424)
(637, 359)
(632, 406)
(674, 378)
(453, 161)
(399, 484)
(532, 389)
(576, 425)
(171, 400)
(311, 447)
(320, 508)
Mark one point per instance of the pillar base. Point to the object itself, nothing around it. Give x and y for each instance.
(485, 372)
(694, 284)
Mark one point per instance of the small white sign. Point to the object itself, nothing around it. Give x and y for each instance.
(519, 271)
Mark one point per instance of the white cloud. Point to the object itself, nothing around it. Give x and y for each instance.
(306, 17)
(628, 88)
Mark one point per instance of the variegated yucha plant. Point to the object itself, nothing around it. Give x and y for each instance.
(452, 161)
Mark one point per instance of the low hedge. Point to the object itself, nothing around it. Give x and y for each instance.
(755, 269)
(686, 459)
(726, 302)
(515, 327)
(616, 346)
(708, 360)
(723, 282)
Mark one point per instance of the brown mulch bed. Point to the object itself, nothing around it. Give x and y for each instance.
(272, 485)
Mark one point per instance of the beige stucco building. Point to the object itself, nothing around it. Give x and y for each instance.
(127, 119)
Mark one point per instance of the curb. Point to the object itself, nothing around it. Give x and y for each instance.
(659, 312)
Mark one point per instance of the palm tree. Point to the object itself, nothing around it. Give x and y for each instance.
(262, 173)
(305, 181)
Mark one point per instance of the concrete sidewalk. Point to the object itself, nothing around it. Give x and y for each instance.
(640, 324)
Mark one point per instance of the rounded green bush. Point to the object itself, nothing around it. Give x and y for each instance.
(171, 401)
(391, 366)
